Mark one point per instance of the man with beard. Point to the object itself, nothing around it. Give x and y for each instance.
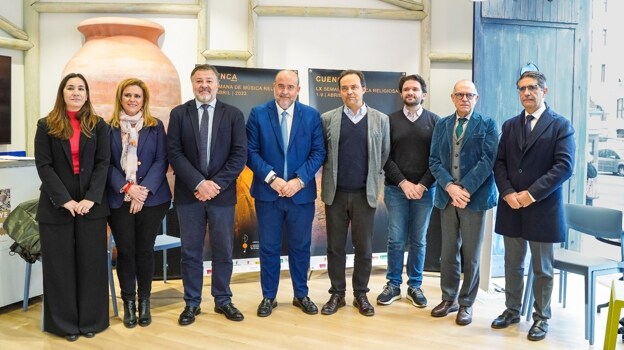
(207, 151)
(408, 192)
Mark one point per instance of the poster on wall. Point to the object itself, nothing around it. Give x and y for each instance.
(382, 93)
(5, 207)
(382, 90)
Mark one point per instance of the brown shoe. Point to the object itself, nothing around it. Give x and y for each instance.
(365, 307)
(335, 302)
(464, 315)
(444, 308)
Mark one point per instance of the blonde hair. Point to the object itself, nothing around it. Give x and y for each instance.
(149, 120)
(58, 121)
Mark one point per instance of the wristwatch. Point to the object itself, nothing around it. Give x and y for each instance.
(301, 182)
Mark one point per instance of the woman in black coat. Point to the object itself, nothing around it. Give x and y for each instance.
(72, 155)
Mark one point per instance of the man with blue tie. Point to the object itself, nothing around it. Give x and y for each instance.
(207, 148)
(286, 149)
(463, 149)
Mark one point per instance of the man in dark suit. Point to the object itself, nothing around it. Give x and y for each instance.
(463, 149)
(286, 149)
(535, 157)
(207, 151)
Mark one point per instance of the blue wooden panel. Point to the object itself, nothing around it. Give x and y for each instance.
(556, 11)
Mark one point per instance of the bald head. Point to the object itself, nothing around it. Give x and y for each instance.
(464, 97)
(286, 88)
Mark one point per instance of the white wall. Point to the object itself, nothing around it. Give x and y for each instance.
(282, 42)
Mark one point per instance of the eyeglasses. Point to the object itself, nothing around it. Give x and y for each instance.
(461, 95)
(531, 88)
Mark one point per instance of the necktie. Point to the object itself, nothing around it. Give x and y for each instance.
(527, 128)
(460, 127)
(203, 139)
(284, 126)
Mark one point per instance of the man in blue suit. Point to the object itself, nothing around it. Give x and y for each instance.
(286, 149)
(207, 151)
(535, 157)
(463, 149)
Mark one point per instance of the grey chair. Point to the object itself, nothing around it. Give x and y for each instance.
(601, 223)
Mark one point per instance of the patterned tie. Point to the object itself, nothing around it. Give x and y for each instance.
(527, 128)
(460, 127)
(284, 126)
(203, 139)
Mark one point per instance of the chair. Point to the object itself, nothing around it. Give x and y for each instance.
(602, 223)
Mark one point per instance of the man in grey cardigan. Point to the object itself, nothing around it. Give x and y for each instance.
(357, 140)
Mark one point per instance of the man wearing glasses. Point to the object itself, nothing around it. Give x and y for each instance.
(463, 149)
(535, 157)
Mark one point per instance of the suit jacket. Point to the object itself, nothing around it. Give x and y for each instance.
(55, 167)
(305, 153)
(378, 151)
(228, 151)
(541, 168)
(152, 166)
(477, 152)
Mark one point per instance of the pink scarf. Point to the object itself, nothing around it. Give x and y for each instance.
(130, 127)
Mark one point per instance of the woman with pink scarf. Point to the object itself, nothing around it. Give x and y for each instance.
(138, 194)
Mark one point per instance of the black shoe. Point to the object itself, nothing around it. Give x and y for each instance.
(145, 315)
(538, 330)
(188, 315)
(335, 302)
(506, 319)
(72, 337)
(306, 305)
(130, 319)
(363, 305)
(230, 311)
(266, 307)
(89, 334)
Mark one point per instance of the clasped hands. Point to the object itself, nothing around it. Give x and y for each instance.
(412, 190)
(459, 195)
(207, 190)
(286, 188)
(517, 200)
(80, 208)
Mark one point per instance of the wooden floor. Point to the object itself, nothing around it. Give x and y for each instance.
(399, 325)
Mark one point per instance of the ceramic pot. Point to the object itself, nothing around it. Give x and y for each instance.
(117, 48)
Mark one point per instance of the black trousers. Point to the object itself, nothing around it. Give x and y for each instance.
(75, 276)
(349, 208)
(134, 238)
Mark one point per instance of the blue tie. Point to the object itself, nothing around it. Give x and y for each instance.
(203, 139)
(460, 127)
(527, 128)
(284, 126)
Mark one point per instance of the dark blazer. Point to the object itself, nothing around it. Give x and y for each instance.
(55, 167)
(228, 151)
(541, 168)
(306, 150)
(477, 154)
(152, 166)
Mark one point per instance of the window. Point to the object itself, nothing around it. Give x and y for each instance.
(603, 71)
(620, 108)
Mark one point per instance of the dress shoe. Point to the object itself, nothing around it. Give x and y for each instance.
(72, 337)
(505, 319)
(230, 311)
(145, 315)
(306, 305)
(88, 334)
(266, 307)
(335, 302)
(188, 315)
(538, 330)
(444, 308)
(130, 319)
(464, 315)
(365, 308)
